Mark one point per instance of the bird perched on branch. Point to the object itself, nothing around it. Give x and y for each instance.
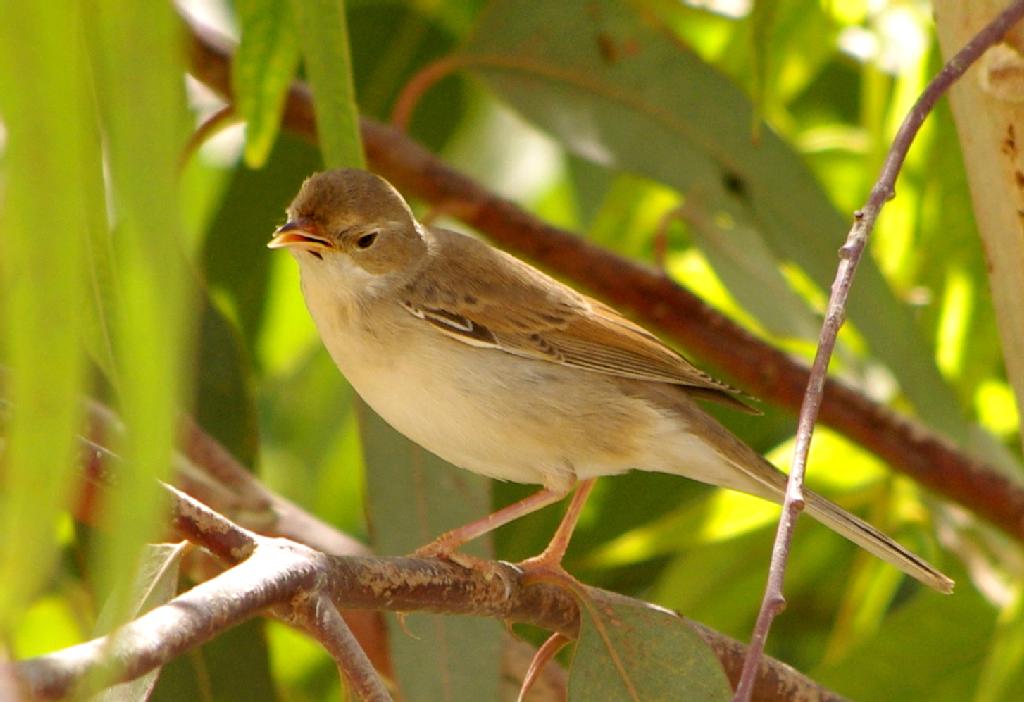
(504, 371)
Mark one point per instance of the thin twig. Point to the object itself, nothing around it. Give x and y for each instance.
(662, 304)
(320, 617)
(850, 255)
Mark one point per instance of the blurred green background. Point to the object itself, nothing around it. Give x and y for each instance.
(134, 270)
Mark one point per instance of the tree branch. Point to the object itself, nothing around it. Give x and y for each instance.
(660, 303)
(277, 571)
(320, 616)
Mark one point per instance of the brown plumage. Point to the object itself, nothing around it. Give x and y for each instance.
(502, 370)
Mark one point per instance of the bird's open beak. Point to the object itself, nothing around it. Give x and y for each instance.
(300, 234)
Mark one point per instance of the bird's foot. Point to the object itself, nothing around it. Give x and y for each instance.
(445, 551)
(547, 568)
(441, 548)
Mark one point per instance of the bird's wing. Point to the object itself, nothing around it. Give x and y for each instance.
(492, 300)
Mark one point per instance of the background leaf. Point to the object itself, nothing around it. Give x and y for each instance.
(136, 56)
(624, 76)
(413, 498)
(155, 583)
(264, 65)
(630, 652)
(325, 50)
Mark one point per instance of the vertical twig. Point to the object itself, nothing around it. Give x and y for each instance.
(321, 618)
(850, 254)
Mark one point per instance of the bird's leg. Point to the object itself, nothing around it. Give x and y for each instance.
(549, 562)
(446, 544)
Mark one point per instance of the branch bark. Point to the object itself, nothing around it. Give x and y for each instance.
(661, 304)
(989, 114)
(270, 572)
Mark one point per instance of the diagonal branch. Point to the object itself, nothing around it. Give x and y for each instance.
(660, 303)
(850, 255)
(321, 617)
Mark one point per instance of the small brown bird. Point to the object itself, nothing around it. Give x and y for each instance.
(504, 371)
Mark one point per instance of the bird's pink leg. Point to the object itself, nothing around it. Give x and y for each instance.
(444, 545)
(549, 562)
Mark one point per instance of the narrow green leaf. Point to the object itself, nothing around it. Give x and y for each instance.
(413, 497)
(325, 51)
(51, 156)
(225, 402)
(264, 65)
(137, 60)
(641, 653)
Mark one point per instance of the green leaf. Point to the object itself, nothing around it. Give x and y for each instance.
(137, 61)
(155, 583)
(234, 667)
(932, 649)
(391, 42)
(624, 93)
(413, 497)
(235, 257)
(641, 653)
(225, 403)
(263, 67)
(750, 270)
(762, 21)
(325, 50)
(1003, 671)
(50, 161)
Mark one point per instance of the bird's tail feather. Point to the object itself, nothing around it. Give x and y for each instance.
(875, 542)
(770, 483)
(753, 474)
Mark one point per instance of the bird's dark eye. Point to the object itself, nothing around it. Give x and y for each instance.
(366, 240)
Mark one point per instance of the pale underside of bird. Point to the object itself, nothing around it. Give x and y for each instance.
(504, 371)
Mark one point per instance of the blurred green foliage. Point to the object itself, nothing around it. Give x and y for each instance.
(131, 278)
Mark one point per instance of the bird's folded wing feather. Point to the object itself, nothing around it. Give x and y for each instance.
(493, 300)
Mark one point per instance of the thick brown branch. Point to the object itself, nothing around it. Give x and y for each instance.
(409, 584)
(661, 304)
(278, 571)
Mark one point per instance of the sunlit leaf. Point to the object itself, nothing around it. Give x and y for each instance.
(51, 162)
(137, 59)
(264, 66)
(325, 51)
